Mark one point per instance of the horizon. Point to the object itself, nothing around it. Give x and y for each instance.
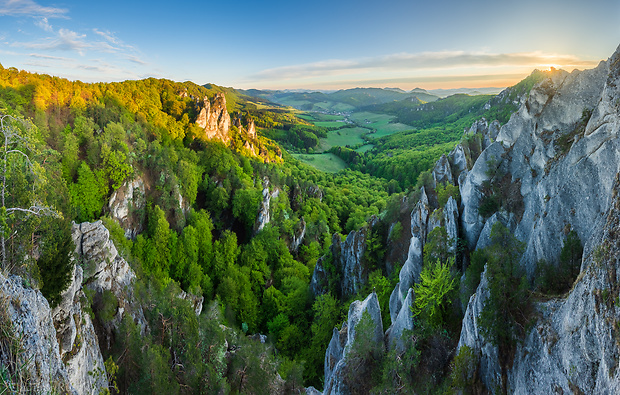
(326, 46)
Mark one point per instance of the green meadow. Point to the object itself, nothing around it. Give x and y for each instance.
(326, 162)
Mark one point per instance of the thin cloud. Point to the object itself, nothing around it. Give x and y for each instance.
(30, 8)
(420, 61)
(70, 41)
(48, 57)
(136, 60)
(107, 35)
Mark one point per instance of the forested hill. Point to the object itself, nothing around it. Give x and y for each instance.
(230, 222)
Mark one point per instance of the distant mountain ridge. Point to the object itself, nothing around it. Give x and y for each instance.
(342, 100)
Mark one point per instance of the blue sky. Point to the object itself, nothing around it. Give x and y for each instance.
(319, 45)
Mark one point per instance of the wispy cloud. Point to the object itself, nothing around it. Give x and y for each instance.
(30, 8)
(107, 36)
(416, 62)
(44, 24)
(70, 41)
(48, 57)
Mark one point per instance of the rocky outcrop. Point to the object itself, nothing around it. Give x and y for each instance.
(214, 118)
(458, 161)
(441, 172)
(34, 355)
(196, 301)
(105, 270)
(338, 375)
(413, 265)
(264, 215)
(563, 147)
(451, 223)
(404, 321)
(472, 194)
(298, 236)
(129, 197)
(78, 343)
(347, 257)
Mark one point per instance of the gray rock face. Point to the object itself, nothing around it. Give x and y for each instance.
(130, 195)
(195, 300)
(564, 184)
(413, 265)
(471, 336)
(458, 160)
(106, 270)
(441, 171)
(298, 237)
(451, 218)
(471, 192)
(30, 318)
(567, 163)
(403, 321)
(335, 380)
(347, 256)
(264, 215)
(79, 345)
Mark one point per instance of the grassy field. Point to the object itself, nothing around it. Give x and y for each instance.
(380, 122)
(346, 136)
(329, 163)
(364, 148)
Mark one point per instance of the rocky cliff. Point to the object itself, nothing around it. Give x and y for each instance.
(214, 118)
(554, 167)
(562, 146)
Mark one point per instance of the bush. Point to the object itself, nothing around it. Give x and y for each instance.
(558, 279)
(463, 369)
(434, 293)
(444, 191)
(472, 274)
(55, 264)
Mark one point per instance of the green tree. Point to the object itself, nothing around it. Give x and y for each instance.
(434, 293)
(245, 205)
(88, 194)
(505, 312)
(54, 263)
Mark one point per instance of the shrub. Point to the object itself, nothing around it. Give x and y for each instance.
(558, 279)
(444, 191)
(434, 293)
(463, 369)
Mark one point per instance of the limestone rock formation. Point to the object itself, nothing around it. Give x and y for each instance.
(79, 345)
(337, 381)
(442, 172)
(458, 160)
(403, 321)
(264, 215)
(130, 196)
(214, 118)
(413, 265)
(563, 147)
(347, 257)
(27, 315)
(106, 270)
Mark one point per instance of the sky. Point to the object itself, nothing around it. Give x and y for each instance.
(320, 44)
